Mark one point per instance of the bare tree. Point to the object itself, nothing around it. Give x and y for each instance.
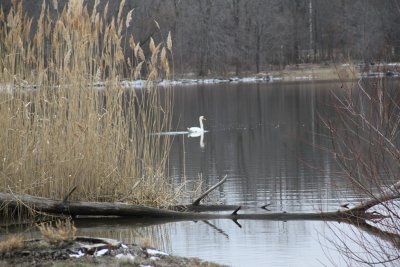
(365, 139)
(235, 35)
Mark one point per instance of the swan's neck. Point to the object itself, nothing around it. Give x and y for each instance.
(201, 124)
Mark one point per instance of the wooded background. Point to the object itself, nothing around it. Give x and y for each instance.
(221, 36)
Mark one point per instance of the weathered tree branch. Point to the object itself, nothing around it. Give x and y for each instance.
(69, 194)
(391, 193)
(197, 201)
(196, 207)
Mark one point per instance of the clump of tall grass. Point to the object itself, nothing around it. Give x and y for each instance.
(12, 243)
(63, 232)
(60, 129)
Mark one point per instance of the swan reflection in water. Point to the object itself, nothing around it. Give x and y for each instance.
(201, 135)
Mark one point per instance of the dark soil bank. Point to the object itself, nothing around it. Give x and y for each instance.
(79, 253)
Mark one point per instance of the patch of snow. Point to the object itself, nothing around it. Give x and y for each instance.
(303, 78)
(125, 257)
(101, 252)
(373, 75)
(154, 258)
(124, 246)
(77, 255)
(134, 83)
(156, 252)
(141, 84)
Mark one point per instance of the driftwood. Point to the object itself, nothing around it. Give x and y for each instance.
(192, 211)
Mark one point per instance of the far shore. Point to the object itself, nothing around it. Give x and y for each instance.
(307, 72)
(291, 73)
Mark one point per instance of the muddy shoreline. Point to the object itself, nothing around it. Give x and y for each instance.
(86, 251)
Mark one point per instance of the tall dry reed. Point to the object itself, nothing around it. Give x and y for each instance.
(65, 118)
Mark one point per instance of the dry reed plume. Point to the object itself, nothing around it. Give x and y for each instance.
(59, 129)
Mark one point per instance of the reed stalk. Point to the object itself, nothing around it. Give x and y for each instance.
(65, 118)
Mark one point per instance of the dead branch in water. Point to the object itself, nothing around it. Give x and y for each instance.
(197, 201)
(196, 207)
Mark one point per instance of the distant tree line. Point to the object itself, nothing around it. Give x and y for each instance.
(220, 36)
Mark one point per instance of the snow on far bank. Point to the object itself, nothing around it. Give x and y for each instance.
(187, 82)
(140, 84)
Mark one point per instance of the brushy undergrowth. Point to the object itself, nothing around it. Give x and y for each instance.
(65, 119)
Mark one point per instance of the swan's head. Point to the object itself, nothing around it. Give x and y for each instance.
(202, 118)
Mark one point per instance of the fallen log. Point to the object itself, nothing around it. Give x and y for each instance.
(189, 212)
(75, 208)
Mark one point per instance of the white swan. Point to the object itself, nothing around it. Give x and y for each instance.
(198, 129)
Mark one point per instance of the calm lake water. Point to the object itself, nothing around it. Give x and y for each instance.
(268, 139)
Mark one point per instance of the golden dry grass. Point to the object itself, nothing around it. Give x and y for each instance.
(11, 244)
(63, 232)
(59, 130)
